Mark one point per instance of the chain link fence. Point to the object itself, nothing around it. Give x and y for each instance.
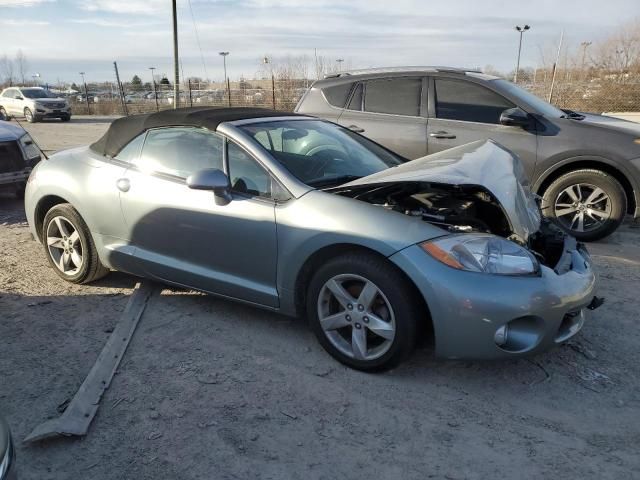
(596, 95)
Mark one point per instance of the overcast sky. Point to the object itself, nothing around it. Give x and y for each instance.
(63, 37)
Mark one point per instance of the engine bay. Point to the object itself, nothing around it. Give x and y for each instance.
(458, 209)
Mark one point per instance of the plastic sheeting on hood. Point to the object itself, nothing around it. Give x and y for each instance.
(485, 163)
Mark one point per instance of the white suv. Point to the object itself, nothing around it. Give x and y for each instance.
(34, 103)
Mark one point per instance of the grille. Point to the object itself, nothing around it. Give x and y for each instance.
(54, 105)
(11, 157)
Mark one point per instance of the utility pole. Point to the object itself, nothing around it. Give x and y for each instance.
(555, 68)
(266, 61)
(584, 46)
(86, 94)
(121, 91)
(521, 30)
(155, 91)
(226, 79)
(176, 70)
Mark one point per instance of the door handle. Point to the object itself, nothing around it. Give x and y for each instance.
(355, 128)
(123, 184)
(442, 134)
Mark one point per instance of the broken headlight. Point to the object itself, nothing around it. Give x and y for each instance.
(482, 253)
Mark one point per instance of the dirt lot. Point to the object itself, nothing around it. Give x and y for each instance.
(211, 389)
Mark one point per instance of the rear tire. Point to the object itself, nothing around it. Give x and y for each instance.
(366, 331)
(588, 204)
(28, 114)
(69, 246)
(66, 118)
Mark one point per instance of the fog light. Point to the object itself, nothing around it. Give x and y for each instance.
(502, 335)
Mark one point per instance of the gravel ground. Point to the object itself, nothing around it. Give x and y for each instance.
(213, 389)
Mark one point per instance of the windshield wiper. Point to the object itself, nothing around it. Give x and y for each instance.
(328, 181)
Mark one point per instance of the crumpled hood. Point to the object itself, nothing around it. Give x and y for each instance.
(484, 163)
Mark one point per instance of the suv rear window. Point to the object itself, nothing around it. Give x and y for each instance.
(466, 101)
(398, 96)
(337, 95)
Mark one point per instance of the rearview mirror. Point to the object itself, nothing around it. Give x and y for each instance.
(515, 117)
(214, 180)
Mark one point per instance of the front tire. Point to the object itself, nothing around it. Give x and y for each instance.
(69, 246)
(363, 311)
(588, 204)
(66, 118)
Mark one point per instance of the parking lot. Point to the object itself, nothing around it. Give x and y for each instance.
(213, 389)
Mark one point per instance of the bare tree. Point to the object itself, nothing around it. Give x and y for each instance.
(22, 66)
(6, 70)
(619, 54)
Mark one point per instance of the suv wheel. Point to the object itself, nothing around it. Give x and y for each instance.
(69, 246)
(363, 311)
(588, 204)
(28, 114)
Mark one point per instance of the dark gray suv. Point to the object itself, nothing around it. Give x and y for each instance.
(586, 167)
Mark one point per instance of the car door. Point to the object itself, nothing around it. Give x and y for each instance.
(462, 111)
(390, 111)
(182, 236)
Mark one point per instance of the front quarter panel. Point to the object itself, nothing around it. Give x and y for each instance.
(320, 219)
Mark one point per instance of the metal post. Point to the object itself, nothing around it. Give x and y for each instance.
(86, 93)
(190, 99)
(121, 91)
(229, 91)
(273, 90)
(584, 45)
(155, 91)
(176, 72)
(555, 67)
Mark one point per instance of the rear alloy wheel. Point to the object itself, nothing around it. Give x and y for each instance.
(28, 114)
(363, 311)
(588, 204)
(69, 246)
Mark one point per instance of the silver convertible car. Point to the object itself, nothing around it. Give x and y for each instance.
(307, 218)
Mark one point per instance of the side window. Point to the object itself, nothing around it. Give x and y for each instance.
(399, 96)
(246, 175)
(131, 151)
(469, 102)
(11, 93)
(180, 151)
(337, 95)
(356, 100)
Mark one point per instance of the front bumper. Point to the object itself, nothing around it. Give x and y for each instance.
(47, 112)
(468, 308)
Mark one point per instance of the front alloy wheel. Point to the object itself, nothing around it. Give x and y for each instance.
(582, 207)
(356, 317)
(364, 311)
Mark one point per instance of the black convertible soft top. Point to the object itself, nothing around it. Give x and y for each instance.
(125, 129)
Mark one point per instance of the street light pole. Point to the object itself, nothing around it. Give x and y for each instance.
(155, 91)
(521, 30)
(339, 62)
(86, 93)
(266, 61)
(176, 71)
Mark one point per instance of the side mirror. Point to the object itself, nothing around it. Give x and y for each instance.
(515, 117)
(214, 180)
(18, 98)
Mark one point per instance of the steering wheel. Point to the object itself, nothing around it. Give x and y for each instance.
(324, 156)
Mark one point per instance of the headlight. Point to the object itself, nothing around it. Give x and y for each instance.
(479, 252)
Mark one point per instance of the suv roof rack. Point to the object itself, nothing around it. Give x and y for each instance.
(365, 71)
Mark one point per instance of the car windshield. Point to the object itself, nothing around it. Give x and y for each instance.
(35, 93)
(319, 153)
(539, 104)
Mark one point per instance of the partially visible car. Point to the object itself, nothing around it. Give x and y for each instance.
(34, 104)
(586, 168)
(18, 155)
(7, 453)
